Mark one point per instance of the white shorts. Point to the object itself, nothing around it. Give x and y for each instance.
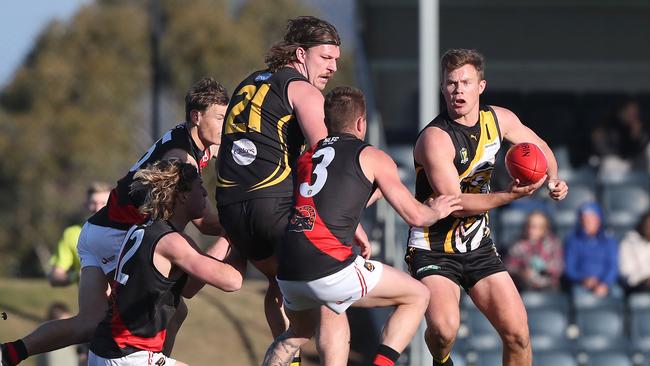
(99, 246)
(337, 291)
(140, 358)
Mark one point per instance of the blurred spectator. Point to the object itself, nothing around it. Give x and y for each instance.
(65, 261)
(535, 260)
(65, 356)
(635, 256)
(621, 142)
(591, 255)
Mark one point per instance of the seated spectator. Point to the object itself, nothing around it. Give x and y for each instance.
(621, 142)
(535, 260)
(634, 256)
(591, 255)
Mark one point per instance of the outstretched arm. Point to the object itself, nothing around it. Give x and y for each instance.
(381, 169)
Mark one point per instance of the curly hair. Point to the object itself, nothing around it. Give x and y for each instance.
(203, 94)
(305, 32)
(160, 183)
(459, 57)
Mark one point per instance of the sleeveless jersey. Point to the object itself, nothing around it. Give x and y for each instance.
(476, 148)
(261, 139)
(142, 300)
(121, 210)
(330, 194)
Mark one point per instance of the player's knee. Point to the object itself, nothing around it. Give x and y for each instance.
(441, 337)
(516, 339)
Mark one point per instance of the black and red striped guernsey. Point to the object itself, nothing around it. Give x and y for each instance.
(330, 194)
(142, 300)
(121, 210)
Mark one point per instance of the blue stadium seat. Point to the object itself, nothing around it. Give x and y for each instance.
(546, 300)
(599, 343)
(543, 343)
(484, 342)
(589, 301)
(547, 322)
(559, 358)
(487, 358)
(608, 359)
(479, 325)
(638, 301)
(580, 193)
(600, 322)
(640, 323)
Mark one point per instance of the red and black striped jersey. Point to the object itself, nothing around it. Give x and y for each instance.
(142, 300)
(330, 194)
(121, 210)
(261, 139)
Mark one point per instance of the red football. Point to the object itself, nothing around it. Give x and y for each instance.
(526, 162)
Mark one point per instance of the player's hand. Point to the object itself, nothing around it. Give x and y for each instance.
(557, 189)
(528, 190)
(361, 239)
(444, 205)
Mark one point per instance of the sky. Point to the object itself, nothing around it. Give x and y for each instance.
(20, 22)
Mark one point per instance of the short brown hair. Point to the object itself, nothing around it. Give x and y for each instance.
(343, 105)
(160, 183)
(459, 57)
(98, 187)
(305, 32)
(203, 94)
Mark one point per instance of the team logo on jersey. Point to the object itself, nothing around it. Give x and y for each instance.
(303, 219)
(463, 156)
(369, 266)
(243, 151)
(160, 362)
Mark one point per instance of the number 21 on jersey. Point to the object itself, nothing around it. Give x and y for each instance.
(253, 99)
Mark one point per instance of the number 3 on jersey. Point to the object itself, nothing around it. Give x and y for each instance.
(310, 190)
(253, 99)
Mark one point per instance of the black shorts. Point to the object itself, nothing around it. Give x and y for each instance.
(465, 269)
(255, 226)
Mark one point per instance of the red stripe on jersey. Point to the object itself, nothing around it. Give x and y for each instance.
(362, 281)
(320, 236)
(123, 337)
(126, 214)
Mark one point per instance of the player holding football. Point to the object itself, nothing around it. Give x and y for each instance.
(454, 155)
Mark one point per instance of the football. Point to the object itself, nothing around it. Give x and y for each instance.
(526, 161)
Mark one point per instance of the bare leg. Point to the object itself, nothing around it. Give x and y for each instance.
(442, 315)
(61, 333)
(411, 298)
(283, 349)
(497, 297)
(333, 338)
(273, 309)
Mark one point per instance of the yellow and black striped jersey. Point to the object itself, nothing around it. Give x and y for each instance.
(476, 148)
(261, 139)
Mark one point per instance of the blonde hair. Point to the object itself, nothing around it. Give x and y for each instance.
(160, 183)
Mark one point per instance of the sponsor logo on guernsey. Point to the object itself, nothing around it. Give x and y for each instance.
(429, 268)
(330, 140)
(303, 219)
(463, 156)
(160, 362)
(243, 151)
(342, 301)
(263, 76)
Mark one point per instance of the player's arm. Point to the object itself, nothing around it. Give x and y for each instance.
(220, 250)
(181, 251)
(435, 151)
(308, 104)
(516, 132)
(381, 169)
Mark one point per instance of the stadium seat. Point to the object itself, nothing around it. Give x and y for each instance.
(638, 301)
(608, 359)
(547, 322)
(484, 342)
(543, 343)
(559, 358)
(599, 322)
(580, 193)
(485, 358)
(589, 301)
(546, 300)
(479, 325)
(640, 323)
(599, 343)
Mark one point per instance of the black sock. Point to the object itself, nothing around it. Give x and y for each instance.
(13, 352)
(296, 361)
(385, 355)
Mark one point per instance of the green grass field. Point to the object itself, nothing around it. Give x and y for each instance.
(221, 329)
